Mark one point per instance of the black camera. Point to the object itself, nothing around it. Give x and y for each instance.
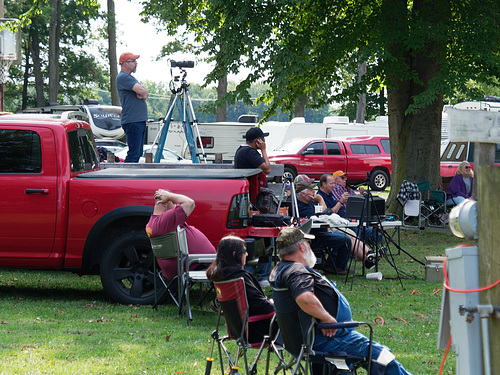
(181, 64)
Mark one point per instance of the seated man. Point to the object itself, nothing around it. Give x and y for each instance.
(170, 211)
(359, 249)
(311, 292)
(338, 241)
(326, 188)
(340, 188)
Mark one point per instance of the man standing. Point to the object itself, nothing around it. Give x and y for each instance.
(134, 108)
(170, 211)
(341, 188)
(247, 155)
(296, 286)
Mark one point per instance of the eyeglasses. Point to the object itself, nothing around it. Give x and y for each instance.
(343, 177)
(128, 61)
(467, 167)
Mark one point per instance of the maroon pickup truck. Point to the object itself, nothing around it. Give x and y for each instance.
(61, 211)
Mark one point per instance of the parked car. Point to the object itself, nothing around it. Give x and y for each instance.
(113, 145)
(168, 156)
(357, 156)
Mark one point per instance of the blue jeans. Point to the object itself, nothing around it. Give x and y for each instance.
(339, 243)
(261, 271)
(135, 131)
(455, 200)
(354, 343)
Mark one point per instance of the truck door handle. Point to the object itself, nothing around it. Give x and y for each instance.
(37, 191)
(341, 159)
(321, 159)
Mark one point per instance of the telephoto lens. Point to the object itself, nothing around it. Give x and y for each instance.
(181, 64)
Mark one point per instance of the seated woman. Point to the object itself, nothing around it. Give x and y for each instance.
(228, 265)
(460, 187)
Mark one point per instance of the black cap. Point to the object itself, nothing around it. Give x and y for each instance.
(254, 133)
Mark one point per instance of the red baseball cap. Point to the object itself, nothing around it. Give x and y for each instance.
(127, 55)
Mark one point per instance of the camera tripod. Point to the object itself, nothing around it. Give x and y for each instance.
(180, 97)
(382, 237)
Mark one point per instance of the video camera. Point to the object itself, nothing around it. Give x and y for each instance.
(181, 64)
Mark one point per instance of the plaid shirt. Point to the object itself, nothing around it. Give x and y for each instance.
(407, 191)
(339, 190)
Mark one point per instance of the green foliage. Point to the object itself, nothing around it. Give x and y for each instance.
(60, 323)
(79, 70)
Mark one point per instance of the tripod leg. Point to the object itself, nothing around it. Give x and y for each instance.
(162, 134)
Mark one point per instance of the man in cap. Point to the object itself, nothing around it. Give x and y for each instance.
(340, 188)
(296, 285)
(134, 109)
(339, 242)
(247, 155)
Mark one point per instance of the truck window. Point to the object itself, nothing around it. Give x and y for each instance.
(386, 145)
(333, 148)
(471, 153)
(365, 149)
(20, 151)
(82, 150)
(316, 147)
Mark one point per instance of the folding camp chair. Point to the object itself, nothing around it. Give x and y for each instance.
(410, 198)
(186, 277)
(433, 205)
(419, 201)
(233, 305)
(297, 330)
(164, 246)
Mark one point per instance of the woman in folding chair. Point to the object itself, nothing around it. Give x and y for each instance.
(171, 210)
(460, 187)
(228, 265)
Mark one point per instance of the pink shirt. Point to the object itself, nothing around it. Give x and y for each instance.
(167, 222)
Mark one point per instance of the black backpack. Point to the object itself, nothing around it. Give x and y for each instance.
(266, 201)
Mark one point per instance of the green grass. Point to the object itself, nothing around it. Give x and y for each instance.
(60, 323)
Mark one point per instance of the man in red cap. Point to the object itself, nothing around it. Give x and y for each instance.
(341, 187)
(134, 108)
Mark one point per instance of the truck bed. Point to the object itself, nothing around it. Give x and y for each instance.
(157, 171)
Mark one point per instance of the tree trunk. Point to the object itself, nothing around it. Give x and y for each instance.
(412, 133)
(113, 63)
(221, 91)
(37, 67)
(54, 37)
(300, 107)
(26, 76)
(361, 106)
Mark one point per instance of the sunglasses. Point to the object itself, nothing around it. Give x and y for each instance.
(467, 167)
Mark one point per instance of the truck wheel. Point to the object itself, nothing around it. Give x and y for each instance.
(289, 174)
(379, 180)
(127, 270)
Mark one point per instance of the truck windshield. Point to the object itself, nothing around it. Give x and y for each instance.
(107, 118)
(82, 150)
(292, 146)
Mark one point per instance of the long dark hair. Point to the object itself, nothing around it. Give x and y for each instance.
(229, 256)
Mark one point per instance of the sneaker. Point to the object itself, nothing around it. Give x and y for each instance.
(372, 258)
(264, 283)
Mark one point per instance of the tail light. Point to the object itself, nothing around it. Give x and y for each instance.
(238, 212)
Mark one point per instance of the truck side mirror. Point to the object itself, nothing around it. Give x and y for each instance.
(308, 151)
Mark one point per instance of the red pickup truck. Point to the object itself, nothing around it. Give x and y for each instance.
(61, 211)
(355, 155)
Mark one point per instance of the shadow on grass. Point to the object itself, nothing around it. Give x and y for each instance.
(51, 293)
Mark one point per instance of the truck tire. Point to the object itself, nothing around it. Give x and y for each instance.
(289, 173)
(379, 180)
(127, 270)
